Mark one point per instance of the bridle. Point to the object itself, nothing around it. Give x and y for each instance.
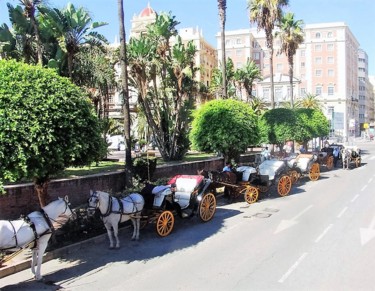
(50, 220)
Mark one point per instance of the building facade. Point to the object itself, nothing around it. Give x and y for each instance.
(327, 65)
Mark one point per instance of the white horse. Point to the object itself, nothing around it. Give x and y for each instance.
(114, 210)
(36, 229)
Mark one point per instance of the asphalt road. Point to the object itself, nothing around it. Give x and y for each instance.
(320, 237)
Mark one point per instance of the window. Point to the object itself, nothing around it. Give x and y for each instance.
(228, 53)
(227, 42)
(329, 34)
(318, 47)
(278, 93)
(238, 41)
(303, 53)
(318, 60)
(318, 73)
(330, 47)
(318, 90)
(302, 64)
(317, 35)
(331, 90)
(303, 92)
(238, 53)
(279, 67)
(330, 60)
(266, 93)
(256, 56)
(331, 73)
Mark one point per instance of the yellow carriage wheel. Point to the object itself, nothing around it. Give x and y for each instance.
(294, 176)
(284, 185)
(314, 172)
(165, 223)
(207, 207)
(329, 163)
(250, 193)
(358, 162)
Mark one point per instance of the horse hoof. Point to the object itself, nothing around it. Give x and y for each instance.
(111, 248)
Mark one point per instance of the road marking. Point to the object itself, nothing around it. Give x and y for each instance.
(354, 198)
(368, 234)
(363, 188)
(292, 268)
(324, 233)
(286, 223)
(373, 157)
(342, 212)
(370, 180)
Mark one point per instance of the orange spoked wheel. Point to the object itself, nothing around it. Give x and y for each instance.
(329, 163)
(207, 207)
(284, 185)
(165, 223)
(294, 176)
(314, 172)
(251, 194)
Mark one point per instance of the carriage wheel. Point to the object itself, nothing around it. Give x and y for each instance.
(207, 207)
(263, 189)
(250, 193)
(284, 185)
(165, 223)
(358, 162)
(329, 163)
(314, 172)
(294, 176)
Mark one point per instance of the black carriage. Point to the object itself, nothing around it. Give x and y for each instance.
(325, 157)
(184, 196)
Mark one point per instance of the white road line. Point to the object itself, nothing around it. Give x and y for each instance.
(292, 268)
(324, 233)
(370, 180)
(354, 198)
(373, 157)
(342, 212)
(363, 188)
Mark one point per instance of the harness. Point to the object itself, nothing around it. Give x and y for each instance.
(121, 207)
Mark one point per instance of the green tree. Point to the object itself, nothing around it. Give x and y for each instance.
(72, 28)
(266, 14)
(291, 35)
(222, 6)
(164, 78)
(246, 76)
(46, 125)
(226, 126)
(309, 101)
(278, 126)
(124, 92)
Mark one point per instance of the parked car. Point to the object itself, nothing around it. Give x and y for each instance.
(121, 146)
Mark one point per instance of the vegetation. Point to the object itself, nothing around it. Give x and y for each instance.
(163, 76)
(46, 125)
(266, 14)
(291, 36)
(225, 126)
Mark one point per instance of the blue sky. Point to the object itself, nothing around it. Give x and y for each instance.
(359, 15)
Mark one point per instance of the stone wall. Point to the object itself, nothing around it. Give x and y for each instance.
(22, 199)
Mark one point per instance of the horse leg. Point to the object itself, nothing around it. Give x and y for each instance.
(109, 232)
(37, 258)
(136, 225)
(115, 233)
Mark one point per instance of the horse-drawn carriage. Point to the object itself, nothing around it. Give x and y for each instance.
(249, 181)
(325, 157)
(350, 155)
(303, 164)
(185, 196)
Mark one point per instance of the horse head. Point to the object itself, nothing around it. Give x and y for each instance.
(61, 206)
(93, 202)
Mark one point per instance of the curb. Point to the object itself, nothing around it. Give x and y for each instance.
(18, 266)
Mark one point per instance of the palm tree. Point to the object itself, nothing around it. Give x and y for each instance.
(72, 28)
(124, 91)
(291, 36)
(309, 101)
(246, 76)
(267, 13)
(222, 5)
(30, 7)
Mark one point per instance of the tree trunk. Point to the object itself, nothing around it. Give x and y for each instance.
(271, 80)
(291, 80)
(41, 189)
(125, 93)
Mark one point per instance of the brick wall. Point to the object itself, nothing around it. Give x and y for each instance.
(22, 199)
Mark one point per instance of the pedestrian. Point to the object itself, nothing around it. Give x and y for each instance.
(335, 153)
(228, 167)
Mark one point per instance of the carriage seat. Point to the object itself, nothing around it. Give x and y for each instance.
(185, 186)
